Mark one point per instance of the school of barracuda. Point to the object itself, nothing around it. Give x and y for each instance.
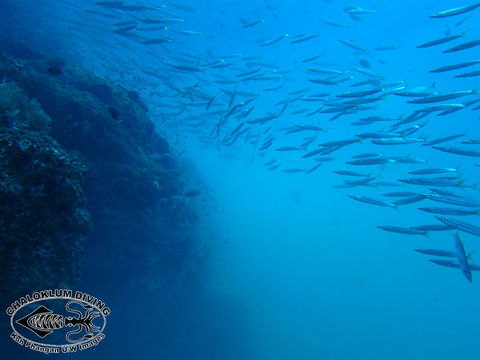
(217, 97)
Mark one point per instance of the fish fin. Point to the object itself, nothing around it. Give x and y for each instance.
(474, 91)
(471, 256)
(427, 234)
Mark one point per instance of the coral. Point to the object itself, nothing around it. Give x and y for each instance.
(17, 111)
(106, 150)
(42, 217)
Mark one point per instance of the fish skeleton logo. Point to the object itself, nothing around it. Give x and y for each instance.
(77, 323)
(41, 320)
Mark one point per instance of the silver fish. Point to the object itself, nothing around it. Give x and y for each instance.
(450, 211)
(462, 258)
(460, 225)
(455, 11)
(372, 201)
(436, 252)
(402, 230)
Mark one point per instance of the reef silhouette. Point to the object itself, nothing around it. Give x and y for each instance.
(86, 183)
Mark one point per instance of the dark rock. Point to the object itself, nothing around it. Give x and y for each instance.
(113, 113)
(54, 70)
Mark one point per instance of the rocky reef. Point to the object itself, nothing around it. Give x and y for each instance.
(42, 217)
(89, 190)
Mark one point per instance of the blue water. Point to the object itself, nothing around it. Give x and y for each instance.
(295, 268)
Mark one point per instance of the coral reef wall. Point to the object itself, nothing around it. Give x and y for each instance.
(86, 183)
(43, 216)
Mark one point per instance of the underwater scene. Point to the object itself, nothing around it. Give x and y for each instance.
(224, 179)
